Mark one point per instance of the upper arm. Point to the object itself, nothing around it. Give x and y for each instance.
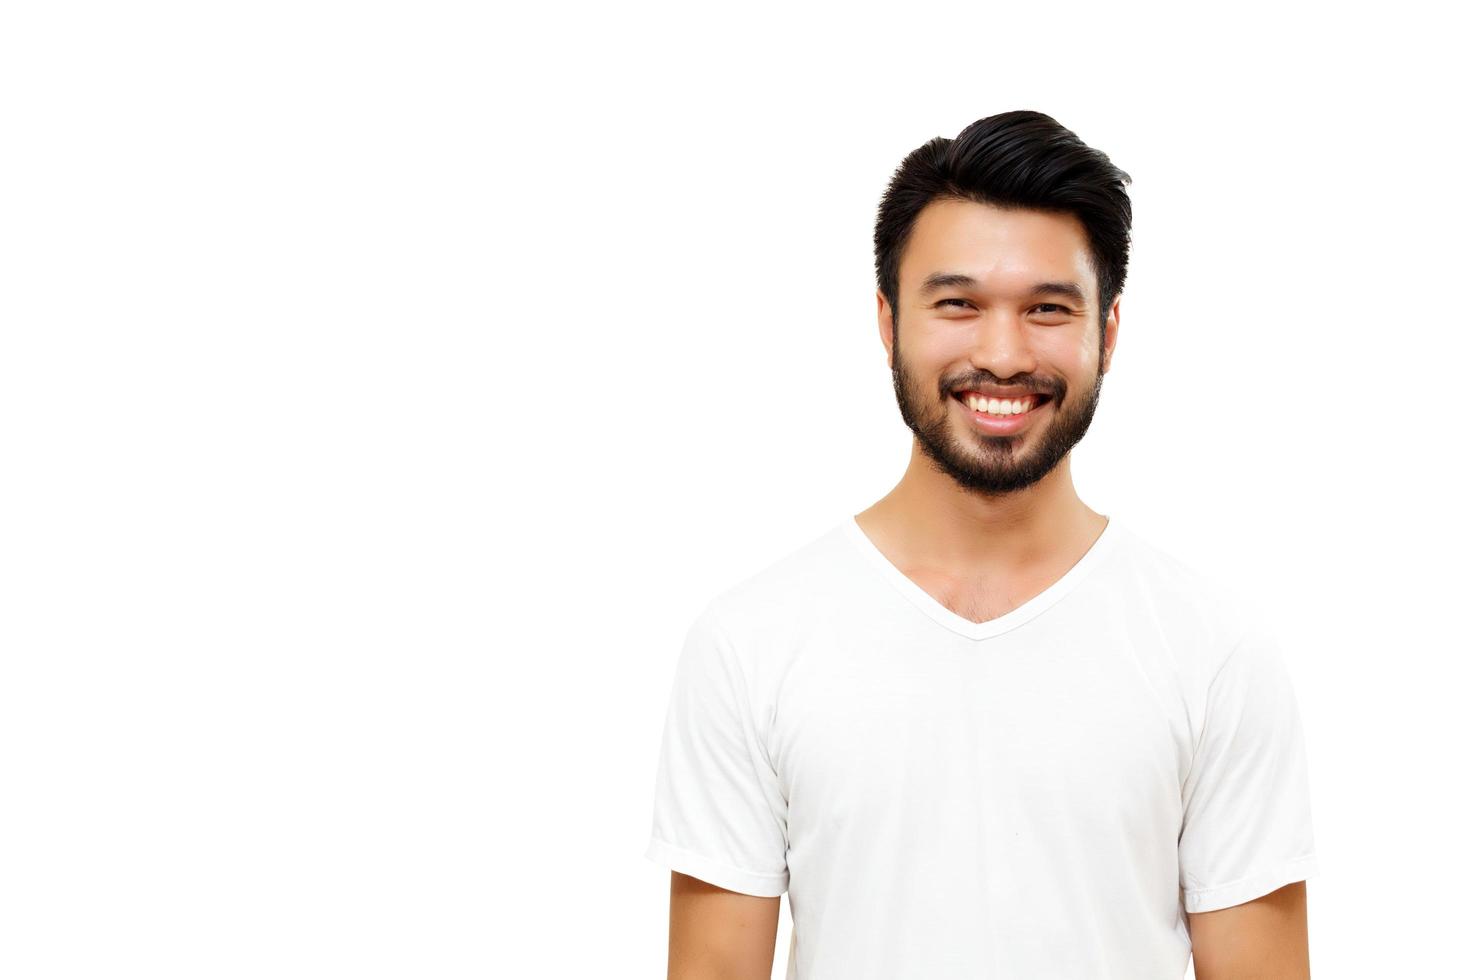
(1247, 820)
(717, 933)
(1265, 938)
(720, 812)
(719, 820)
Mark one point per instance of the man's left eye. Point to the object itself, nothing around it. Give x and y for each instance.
(1054, 306)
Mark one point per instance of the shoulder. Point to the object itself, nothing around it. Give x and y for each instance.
(1197, 609)
(764, 617)
(798, 578)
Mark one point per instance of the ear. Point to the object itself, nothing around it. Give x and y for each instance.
(885, 326)
(1111, 334)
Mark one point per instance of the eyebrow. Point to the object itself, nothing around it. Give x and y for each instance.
(942, 280)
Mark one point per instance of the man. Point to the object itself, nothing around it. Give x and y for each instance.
(980, 730)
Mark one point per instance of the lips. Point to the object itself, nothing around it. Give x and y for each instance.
(1002, 425)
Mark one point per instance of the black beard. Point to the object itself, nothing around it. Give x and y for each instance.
(993, 465)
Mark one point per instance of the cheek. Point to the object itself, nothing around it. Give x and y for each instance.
(1074, 355)
(927, 354)
(938, 351)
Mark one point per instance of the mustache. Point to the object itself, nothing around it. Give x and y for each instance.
(1033, 386)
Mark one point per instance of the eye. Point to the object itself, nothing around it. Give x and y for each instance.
(1054, 306)
(952, 300)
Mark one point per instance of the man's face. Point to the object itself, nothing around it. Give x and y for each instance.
(987, 328)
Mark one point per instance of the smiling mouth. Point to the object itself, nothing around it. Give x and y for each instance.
(1001, 408)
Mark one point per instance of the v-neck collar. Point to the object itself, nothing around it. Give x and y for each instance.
(947, 617)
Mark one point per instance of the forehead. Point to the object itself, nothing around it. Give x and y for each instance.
(1007, 250)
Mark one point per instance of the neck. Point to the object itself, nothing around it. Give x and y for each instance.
(934, 517)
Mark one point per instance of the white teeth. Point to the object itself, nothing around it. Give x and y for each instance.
(1000, 406)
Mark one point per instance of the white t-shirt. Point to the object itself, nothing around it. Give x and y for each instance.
(1043, 795)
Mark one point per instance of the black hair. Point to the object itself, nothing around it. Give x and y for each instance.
(1018, 159)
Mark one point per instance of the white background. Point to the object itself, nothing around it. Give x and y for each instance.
(384, 388)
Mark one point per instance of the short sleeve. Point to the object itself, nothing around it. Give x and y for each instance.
(719, 814)
(1247, 823)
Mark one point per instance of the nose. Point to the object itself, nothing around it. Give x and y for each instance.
(1002, 346)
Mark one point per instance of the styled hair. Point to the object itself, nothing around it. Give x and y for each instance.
(1019, 159)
